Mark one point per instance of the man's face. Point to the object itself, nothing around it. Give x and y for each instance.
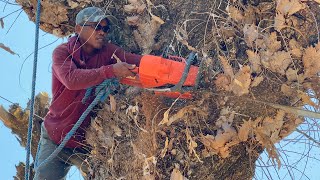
(93, 34)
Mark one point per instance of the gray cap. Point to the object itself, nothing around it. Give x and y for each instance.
(90, 14)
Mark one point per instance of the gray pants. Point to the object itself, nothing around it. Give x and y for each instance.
(58, 168)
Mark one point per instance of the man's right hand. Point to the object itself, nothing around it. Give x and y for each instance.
(122, 69)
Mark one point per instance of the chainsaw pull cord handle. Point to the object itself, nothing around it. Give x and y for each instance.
(178, 86)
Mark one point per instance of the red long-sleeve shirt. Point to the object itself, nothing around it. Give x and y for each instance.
(72, 73)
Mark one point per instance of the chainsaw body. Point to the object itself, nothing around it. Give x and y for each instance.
(155, 71)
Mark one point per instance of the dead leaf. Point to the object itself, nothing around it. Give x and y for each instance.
(141, 8)
(254, 59)
(192, 145)
(256, 81)
(292, 75)
(183, 39)
(117, 131)
(306, 99)
(271, 149)
(176, 175)
(279, 22)
(278, 62)
(244, 130)
(227, 69)
(113, 103)
(311, 62)
(130, 8)
(7, 49)
(289, 7)
(133, 20)
(241, 83)
(2, 23)
(287, 90)
(165, 119)
(272, 42)
(250, 34)
(235, 13)
(183, 112)
(222, 82)
(157, 19)
(165, 148)
(295, 48)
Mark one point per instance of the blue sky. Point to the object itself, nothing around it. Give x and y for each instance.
(21, 40)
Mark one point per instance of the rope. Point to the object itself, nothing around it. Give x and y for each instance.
(34, 77)
(107, 87)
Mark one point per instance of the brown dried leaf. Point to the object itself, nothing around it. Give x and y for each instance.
(165, 148)
(157, 19)
(256, 81)
(133, 20)
(192, 145)
(272, 43)
(207, 140)
(265, 141)
(165, 119)
(227, 69)
(278, 62)
(289, 7)
(295, 48)
(2, 46)
(250, 34)
(117, 131)
(224, 152)
(244, 130)
(241, 83)
(176, 175)
(287, 90)
(279, 22)
(306, 99)
(1, 23)
(254, 59)
(235, 13)
(130, 8)
(183, 112)
(141, 8)
(292, 75)
(113, 103)
(277, 126)
(223, 82)
(311, 61)
(182, 36)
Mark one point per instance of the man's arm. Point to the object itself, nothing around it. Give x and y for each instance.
(72, 77)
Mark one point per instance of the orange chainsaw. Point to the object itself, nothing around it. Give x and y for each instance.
(165, 76)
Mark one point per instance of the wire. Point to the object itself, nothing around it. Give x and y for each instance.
(7, 100)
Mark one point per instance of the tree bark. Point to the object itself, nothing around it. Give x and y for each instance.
(252, 54)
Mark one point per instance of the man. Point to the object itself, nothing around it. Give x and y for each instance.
(84, 61)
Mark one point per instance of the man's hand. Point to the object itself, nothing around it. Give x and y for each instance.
(122, 69)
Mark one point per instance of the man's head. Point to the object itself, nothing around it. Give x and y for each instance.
(92, 25)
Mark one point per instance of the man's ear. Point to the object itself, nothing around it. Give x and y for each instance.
(77, 29)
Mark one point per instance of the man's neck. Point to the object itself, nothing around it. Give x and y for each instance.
(87, 49)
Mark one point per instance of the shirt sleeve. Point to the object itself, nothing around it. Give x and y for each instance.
(74, 78)
(124, 56)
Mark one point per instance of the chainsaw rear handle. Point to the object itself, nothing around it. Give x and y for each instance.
(191, 58)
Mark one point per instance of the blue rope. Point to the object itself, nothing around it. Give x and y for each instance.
(104, 89)
(34, 77)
